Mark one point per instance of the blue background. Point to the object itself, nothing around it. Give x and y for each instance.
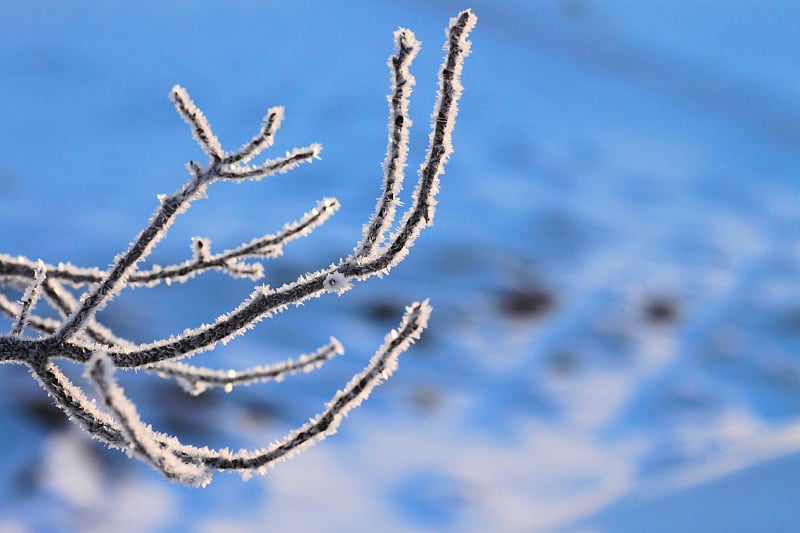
(614, 265)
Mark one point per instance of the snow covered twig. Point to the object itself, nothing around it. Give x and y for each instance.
(79, 335)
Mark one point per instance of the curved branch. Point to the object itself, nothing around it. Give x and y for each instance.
(406, 49)
(196, 380)
(380, 367)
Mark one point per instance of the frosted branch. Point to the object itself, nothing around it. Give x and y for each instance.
(406, 49)
(381, 366)
(196, 380)
(201, 129)
(228, 261)
(440, 147)
(29, 299)
(12, 268)
(80, 336)
(273, 166)
(267, 246)
(262, 141)
(12, 310)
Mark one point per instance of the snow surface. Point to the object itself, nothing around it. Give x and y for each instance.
(614, 267)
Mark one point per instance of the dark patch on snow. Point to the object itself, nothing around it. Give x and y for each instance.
(526, 303)
(383, 311)
(661, 310)
(426, 398)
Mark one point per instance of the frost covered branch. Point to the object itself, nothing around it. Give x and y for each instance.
(78, 334)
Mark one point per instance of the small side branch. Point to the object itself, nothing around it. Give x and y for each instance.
(406, 49)
(13, 268)
(29, 299)
(12, 310)
(201, 129)
(280, 165)
(196, 380)
(262, 141)
(264, 247)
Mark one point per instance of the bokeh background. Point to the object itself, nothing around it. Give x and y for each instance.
(614, 268)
